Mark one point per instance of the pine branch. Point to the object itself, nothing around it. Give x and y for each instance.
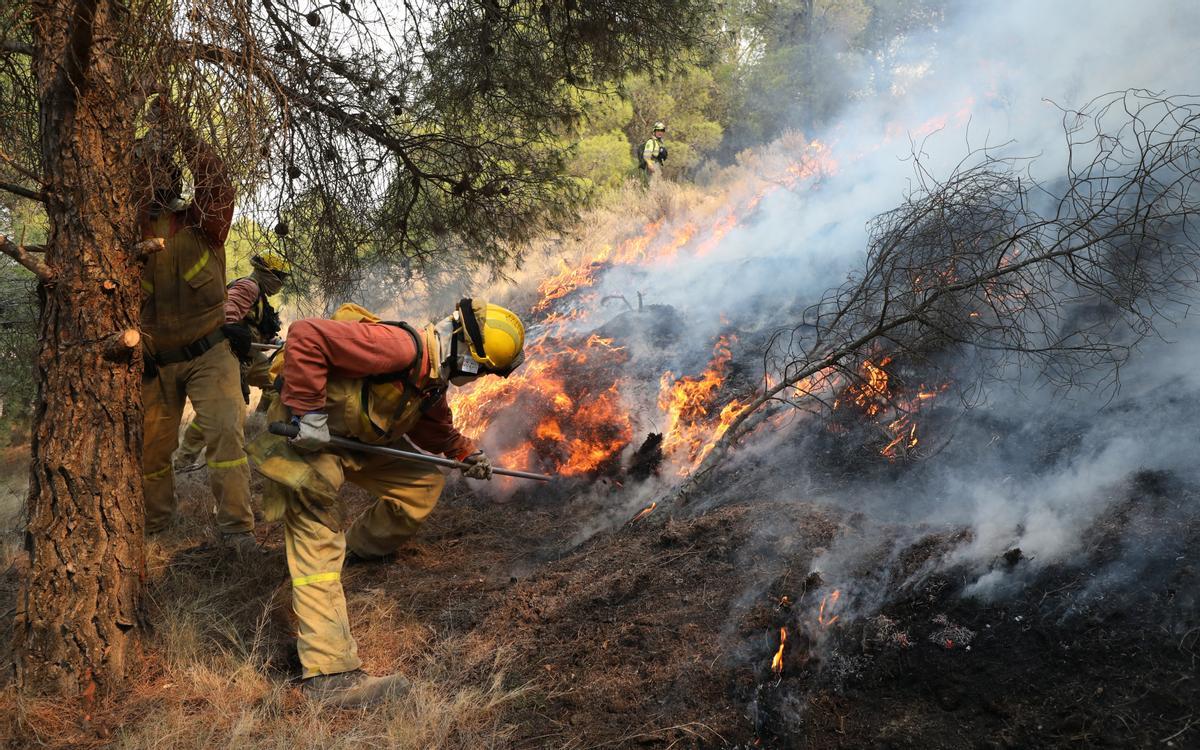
(24, 192)
(22, 256)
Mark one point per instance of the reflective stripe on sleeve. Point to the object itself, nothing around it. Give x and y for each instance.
(317, 578)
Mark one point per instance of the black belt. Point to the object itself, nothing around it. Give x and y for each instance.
(191, 351)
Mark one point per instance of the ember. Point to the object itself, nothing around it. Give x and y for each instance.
(895, 413)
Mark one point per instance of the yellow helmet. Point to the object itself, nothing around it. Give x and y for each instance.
(495, 335)
(271, 263)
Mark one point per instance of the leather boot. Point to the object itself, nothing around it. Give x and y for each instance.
(353, 689)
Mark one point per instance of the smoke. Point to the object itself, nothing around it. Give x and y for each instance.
(1029, 466)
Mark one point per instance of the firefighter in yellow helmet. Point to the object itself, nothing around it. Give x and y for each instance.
(250, 319)
(187, 353)
(382, 383)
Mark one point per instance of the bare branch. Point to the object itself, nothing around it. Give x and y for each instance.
(22, 256)
(119, 347)
(969, 263)
(8, 46)
(24, 192)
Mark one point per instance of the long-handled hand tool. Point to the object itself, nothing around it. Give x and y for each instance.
(291, 431)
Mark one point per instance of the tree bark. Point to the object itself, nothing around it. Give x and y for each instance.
(78, 606)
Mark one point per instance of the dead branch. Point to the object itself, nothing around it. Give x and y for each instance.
(971, 263)
(21, 255)
(10, 46)
(24, 192)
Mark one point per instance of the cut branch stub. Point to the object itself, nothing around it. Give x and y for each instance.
(146, 248)
(119, 346)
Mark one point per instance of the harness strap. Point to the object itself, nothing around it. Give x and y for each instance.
(466, 311)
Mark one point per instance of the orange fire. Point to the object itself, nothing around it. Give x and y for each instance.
(688, 401)
(830, 601)
(562, 422)
(777, 662)
(566, 411)
(896, 413)
(644, 512)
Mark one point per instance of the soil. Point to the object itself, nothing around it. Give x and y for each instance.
(660, 632)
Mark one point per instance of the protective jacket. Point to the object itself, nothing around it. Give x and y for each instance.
(183, 286)
(378, 382)
(653, 150)
(247, 304)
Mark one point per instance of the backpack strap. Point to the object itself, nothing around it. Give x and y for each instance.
(466, 311)
(407, 377)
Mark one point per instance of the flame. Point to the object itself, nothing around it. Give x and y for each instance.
(875, 397)
(566, 410)
(777, 662)
(831, 601)
(644, 512)
(569, 427)
(688, 401)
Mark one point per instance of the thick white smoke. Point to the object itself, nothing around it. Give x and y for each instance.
(1033, 468)
(995, 76)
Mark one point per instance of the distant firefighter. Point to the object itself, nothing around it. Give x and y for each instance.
(383, 384)
(653, 154)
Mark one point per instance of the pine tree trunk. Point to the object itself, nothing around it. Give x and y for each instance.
(78, 607)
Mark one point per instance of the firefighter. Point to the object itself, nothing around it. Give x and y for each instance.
(653, 153)
(384, 384)
(250, 318)
(187, 355)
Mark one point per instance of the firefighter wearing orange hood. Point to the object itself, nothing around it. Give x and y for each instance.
(380, 383)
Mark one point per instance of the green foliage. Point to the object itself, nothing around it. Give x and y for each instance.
(792, 64)
(25, 220)
(602, 162)
(684, 102)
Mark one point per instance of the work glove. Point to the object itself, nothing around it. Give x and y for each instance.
(314, 432)
(480, 466)
(238, 335)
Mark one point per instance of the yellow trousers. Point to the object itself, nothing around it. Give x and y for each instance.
(256, 374)
(406, 493)
(211, 381)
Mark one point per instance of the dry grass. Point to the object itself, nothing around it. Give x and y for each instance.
(217, 667)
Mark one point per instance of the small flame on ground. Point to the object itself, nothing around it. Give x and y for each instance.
(644, 512)
(830, 601)
(875, 397)
(777, 662)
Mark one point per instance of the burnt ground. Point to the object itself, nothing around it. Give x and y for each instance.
(660, 633)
